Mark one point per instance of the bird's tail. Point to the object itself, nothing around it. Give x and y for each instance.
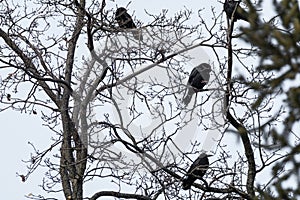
(187, 182)
(137, 34)
(186, 100)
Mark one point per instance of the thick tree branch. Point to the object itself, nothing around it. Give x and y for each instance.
(238, 126)
(119, 195)
(72, 170)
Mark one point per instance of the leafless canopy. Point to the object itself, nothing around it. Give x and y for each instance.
(113, 101)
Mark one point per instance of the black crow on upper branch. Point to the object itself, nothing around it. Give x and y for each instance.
(125, 22)
(197, 170)
(198, 78)
(232, 7)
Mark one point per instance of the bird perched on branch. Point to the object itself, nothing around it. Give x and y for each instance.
(125, 22)
(232, 7)
(198, 78)
(197, 170)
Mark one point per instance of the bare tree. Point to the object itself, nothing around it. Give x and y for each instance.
(114, 101)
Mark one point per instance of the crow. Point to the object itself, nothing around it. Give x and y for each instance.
(232, 7)
(197, 170)
(197, 80)
(124, 19)
(125, 22)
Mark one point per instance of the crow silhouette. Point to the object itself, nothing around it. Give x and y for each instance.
(232, 7)
(197, 170)
(125, 22)
(198, 78)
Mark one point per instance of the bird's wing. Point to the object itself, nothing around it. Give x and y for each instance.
(192, 76)
(194, 165)
(128, 21)
(204, 72)
(124, 20)
(206, 77)
(199, 162)
(229, 7)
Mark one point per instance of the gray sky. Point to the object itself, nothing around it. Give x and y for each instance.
(20, 128)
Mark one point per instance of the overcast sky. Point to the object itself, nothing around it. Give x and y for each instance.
(20, 128)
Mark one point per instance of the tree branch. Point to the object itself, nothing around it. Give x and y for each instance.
(238, 126)
(119, 195)
(29, 66)
(72, 170)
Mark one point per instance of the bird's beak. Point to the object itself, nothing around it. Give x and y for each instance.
(209, 155)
